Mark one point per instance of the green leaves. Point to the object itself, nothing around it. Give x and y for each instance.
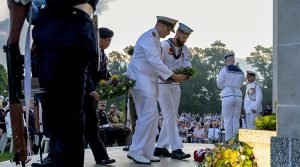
(266, 122)
(189, 71)
(3, 81)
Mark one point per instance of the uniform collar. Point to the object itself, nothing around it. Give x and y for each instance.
(155, 34)
(252, 83)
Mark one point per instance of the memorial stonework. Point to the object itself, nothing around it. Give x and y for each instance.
(260, 141)
(286, 90)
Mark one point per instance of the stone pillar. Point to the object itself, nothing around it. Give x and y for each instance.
(285, 148)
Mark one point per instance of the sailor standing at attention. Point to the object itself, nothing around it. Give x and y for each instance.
(253, 99)
(230, 80)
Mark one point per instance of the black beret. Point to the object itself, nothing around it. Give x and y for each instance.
(105, 33)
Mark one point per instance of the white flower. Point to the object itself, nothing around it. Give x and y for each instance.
(124, 88)
(111, 91)
(130, 81)
(243, 157)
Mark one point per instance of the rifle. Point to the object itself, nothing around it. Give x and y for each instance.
(37, 124)
(15, 76)
(95, 21)
(36, 115)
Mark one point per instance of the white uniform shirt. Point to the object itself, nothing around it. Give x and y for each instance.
(146, 64)
(184, 59)
(230, 80)
(253, 97)
(168, 58)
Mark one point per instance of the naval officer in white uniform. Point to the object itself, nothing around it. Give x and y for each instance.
(145, 67)
(230, 80)
(175, 55)
(253, 99)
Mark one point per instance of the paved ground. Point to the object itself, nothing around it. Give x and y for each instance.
(122, 161)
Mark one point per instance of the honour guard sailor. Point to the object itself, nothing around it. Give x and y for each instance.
(253, 99)
(230, 80)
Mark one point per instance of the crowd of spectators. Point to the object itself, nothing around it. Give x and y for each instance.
(114, 131)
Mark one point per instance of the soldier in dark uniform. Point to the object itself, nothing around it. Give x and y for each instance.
(123, 133)
(107, 132)
(66, 37)
(268, 110)
(89, 107)
(105, 39)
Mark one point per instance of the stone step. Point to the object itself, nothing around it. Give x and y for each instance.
(122, 161)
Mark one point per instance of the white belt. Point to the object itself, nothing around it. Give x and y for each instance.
(86, 7)
(170, 83)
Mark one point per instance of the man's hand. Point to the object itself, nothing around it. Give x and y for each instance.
(179, 77)
(95, 95)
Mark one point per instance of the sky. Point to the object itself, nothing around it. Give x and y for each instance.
(240, 24)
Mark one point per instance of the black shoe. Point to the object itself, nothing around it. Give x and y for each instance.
(162, 152)
(179, 154)
(47, 162)
(126, 148)
(105, 161)
(44, 164)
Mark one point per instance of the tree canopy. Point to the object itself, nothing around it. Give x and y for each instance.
(3, 81)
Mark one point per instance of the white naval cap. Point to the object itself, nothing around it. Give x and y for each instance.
(251, 72)
(228, 54)
(185, 29)
(167, 21)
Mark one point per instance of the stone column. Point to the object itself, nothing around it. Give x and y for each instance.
(285, 148)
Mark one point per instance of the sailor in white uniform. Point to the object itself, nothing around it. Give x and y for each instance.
(230, 80)
(253, 99)
(175, 55)
(145, 67)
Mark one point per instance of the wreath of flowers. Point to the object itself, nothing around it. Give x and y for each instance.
(114, 87)
(233, 154)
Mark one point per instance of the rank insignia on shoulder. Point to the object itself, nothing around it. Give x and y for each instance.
(153, 34)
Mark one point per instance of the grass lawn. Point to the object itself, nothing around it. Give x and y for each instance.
(6, 156)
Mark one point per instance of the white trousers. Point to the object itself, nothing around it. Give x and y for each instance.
(143, 139)
(169, 98)
(250, 118)
(231, 110)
